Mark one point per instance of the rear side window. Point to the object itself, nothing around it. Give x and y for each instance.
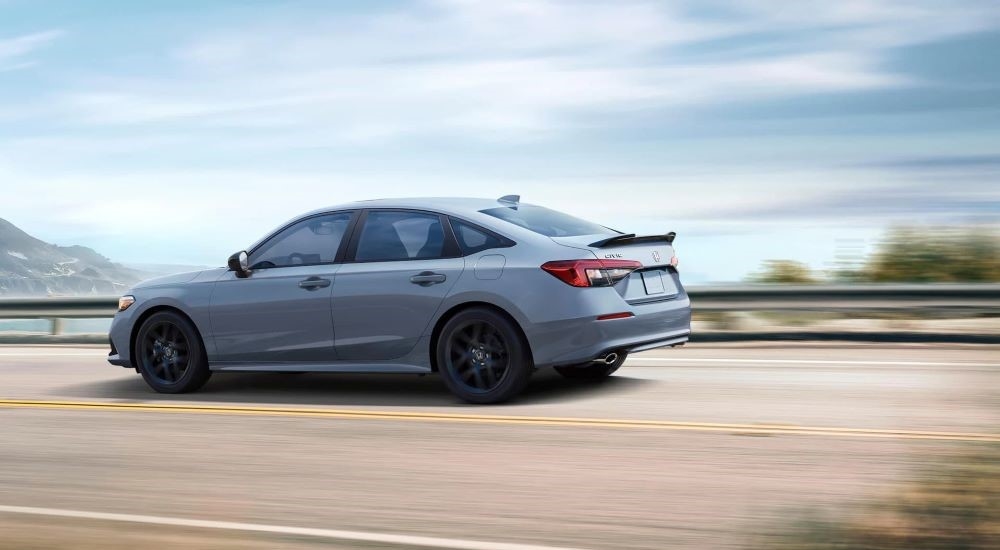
(389, 236)
(547, 222)
(309, 242)
(472, 239)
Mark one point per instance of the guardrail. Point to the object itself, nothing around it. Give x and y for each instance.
(83, 307)
(967, 298)
(839, 298)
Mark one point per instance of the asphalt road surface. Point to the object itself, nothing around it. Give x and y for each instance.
(697, 447)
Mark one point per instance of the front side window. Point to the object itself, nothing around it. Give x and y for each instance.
(389, 236)
(309, 242)
(547, 222)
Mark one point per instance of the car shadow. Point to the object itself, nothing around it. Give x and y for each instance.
(405, 390)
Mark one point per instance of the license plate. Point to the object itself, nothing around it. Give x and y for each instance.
(653, 282)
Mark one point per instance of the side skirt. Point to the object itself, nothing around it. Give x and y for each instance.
(389, 368)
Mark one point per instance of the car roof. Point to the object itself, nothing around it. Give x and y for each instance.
(446, 205)
(464, 207)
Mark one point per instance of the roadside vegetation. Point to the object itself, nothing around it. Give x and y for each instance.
(785, 272)
(910, 254)
(953, 506)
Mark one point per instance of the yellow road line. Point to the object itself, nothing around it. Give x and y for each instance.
(316, 412)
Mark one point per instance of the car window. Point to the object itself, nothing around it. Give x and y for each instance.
(473, 239)
(547, 222)
(388, 236)
(311, 241)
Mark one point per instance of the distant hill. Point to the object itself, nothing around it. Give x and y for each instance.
(32, 267)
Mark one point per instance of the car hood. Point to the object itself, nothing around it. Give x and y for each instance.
(175, 279)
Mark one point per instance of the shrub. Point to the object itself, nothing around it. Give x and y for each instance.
(955, 506)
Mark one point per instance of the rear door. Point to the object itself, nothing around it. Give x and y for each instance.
(400, 266)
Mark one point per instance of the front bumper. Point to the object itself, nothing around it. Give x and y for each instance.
(119, 339)
(115, 358)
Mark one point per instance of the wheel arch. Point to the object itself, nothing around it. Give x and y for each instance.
(137, 324)
(458, 308)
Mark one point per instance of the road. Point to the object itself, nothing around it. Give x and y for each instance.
(694, 447)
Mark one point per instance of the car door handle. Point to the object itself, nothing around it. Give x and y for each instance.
(428, 278)
(313, 283)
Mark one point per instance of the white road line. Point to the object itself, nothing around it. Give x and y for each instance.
(809, 362)
(384, 538)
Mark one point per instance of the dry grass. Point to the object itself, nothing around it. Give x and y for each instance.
(955, 506)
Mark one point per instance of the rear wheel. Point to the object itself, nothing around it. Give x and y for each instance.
(482, 357)
(592, 371)
(170, 355)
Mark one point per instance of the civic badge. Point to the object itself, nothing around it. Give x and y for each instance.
(656, 256)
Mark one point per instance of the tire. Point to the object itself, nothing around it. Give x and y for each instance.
(170, 355)
(592, 371)
(482, 356)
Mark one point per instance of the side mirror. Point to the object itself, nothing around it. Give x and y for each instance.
(240, 264)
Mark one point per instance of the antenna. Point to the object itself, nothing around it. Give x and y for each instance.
(510, 199)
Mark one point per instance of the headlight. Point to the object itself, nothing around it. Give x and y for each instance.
(124, 302)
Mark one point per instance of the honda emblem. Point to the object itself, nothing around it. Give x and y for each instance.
(656, 256)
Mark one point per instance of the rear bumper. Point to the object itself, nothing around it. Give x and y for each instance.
(575, 341)
(646, 346)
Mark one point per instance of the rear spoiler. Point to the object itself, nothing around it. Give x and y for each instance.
(631, 238)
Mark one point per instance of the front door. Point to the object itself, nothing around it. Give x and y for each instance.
(404, 264)
(281, 311)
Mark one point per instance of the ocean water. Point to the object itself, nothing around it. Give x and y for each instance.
(70, 326)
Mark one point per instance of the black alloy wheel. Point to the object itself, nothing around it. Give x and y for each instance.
(482, 356)
(169, 354)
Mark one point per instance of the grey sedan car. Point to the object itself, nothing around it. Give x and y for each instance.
(483, 292)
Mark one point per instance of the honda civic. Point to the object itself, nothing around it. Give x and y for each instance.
(481, 292)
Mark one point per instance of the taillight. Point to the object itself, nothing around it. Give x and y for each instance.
(584, 273)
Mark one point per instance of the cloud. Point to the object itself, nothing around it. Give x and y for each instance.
(941, 162)
(13, 50)
(933, 202)
(506, 70)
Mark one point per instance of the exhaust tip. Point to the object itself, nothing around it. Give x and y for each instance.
(608, 359)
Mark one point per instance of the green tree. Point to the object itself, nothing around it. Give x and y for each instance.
(784, 272)
(936, 254)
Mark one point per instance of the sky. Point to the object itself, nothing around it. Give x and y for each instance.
(178, 132)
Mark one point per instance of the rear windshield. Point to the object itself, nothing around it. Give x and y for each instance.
(547, 222)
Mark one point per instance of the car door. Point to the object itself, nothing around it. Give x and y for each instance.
(281, 312)
(400, 265)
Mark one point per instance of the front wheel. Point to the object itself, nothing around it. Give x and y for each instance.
(169, 354)
(482, 357)
(592, 371)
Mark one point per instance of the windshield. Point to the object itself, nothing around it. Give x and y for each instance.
(547, 222)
